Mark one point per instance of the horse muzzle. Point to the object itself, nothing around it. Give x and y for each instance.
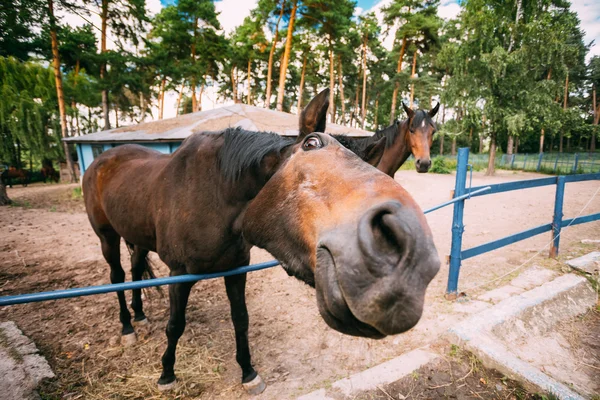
(371, 279)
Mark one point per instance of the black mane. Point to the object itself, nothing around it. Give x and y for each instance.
(244, 149)
(390, 133)
(420, 116)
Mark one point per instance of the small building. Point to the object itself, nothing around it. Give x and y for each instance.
(166, 135)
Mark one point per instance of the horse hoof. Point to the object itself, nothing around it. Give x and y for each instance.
(163, 387)
(128, 340)
(255, 386)
(141, 322)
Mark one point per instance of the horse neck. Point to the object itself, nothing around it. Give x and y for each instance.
(397, 153)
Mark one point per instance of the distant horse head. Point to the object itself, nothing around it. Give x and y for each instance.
(351, 232)
(420, 135)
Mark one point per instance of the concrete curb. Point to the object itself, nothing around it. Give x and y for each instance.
(382, 374)
(22, 368)
(536, 310)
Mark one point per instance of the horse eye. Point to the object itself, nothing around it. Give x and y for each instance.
(312, 142)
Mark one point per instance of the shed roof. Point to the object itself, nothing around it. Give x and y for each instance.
(237, 115)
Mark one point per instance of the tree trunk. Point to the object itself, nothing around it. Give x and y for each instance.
(376, 119)
(363, 107)
(509, 146)
(162, 98)
(4, 200)
(517, 145)
(412, 77)
(491, 169)
(116, 115)
(331, 84)
(179, 98)
(142, 107)
(562, 132)
(234, 85)
(194, 82)
(271, 53)
(73, 102)
(301, 84)
(453, 148)
(481, 134)
(77, 123)
(542, 131)
(596, 108)
(59, 91)
(286, 57)
(104, 17)
(248, 82)
(341, 85)
(397, 84)
(199, 104)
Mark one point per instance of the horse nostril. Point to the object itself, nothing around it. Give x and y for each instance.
(426, 164)
(382, 238)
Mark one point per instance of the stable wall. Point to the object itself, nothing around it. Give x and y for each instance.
(87, 152)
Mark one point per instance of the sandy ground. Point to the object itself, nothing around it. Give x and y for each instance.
(47, 244)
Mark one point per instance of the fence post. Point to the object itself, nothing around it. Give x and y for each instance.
(457, 223)
(558, 214)
(512, 161)
(525, 162)
(555, 162)
(575, 164)
(539, 162)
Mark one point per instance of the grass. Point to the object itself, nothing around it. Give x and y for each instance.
(77, 193)
(18, 203)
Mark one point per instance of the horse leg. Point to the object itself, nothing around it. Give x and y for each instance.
(236, 292)
(138, 266)
(111, 250)
(178, 298)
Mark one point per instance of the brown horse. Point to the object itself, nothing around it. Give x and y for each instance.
(48, 172)
(411, 136)
(333, 221)
(15, 173)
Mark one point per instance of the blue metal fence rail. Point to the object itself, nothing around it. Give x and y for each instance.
(456, 252)
(117, 287)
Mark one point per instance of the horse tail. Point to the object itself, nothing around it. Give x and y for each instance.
(148, 266)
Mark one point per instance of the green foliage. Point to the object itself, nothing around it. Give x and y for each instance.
(28, 111)
(439, 166)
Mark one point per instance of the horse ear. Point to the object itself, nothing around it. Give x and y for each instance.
(314, 116)
(434, 110)
(374, 152)
(409, 111)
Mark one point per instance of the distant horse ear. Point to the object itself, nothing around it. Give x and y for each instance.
(374, 152)
(409, 111)
(314, 116)
(434, 110)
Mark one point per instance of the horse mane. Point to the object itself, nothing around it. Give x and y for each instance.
(390, 133)
(420, 116)
(244, 149)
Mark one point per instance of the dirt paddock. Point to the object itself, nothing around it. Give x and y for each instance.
(48, 244)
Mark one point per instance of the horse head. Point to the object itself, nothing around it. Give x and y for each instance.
(347, 229)
(420, 135)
